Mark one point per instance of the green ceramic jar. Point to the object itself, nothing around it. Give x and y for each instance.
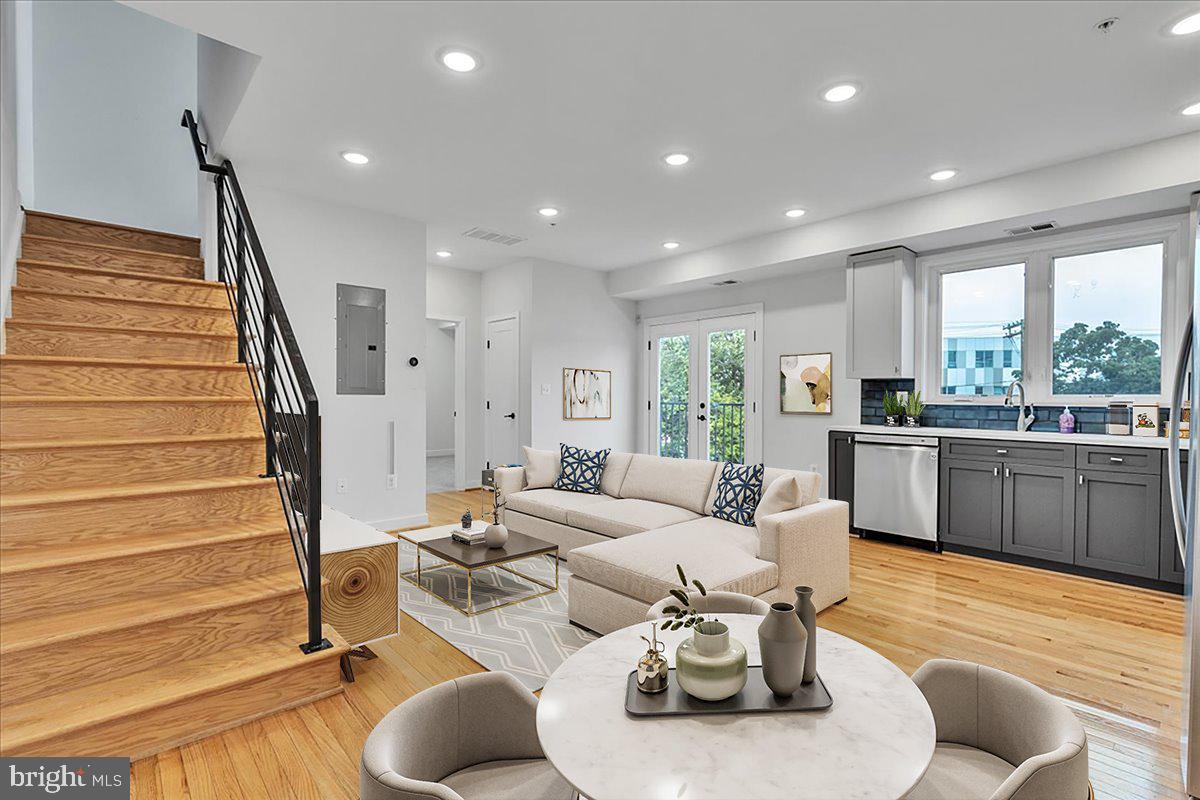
(711, 665)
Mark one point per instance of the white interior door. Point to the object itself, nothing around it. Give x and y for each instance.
(704, 385)
(501, 367)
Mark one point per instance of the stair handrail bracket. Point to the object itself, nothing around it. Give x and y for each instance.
(283, 389)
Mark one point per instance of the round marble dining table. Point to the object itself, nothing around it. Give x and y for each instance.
(875, 741)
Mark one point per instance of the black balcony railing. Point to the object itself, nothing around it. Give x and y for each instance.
(726, 430)
(283, 390)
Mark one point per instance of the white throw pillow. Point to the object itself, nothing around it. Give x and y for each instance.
(541, 468)
(782, 495)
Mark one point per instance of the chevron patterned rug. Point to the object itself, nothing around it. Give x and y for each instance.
(528, 639)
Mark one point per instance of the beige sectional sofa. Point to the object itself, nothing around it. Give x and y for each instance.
(622, 545)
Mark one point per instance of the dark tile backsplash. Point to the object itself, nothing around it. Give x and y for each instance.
(1000, 418)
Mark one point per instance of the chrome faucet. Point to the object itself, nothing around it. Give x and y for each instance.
(1023, 421)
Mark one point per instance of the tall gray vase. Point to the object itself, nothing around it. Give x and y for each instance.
(807, 613)
(781, 643)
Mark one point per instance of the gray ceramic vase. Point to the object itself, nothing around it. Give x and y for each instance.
(782, 642)
(807, 614)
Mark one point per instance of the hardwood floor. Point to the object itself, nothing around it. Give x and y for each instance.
(1112, 652)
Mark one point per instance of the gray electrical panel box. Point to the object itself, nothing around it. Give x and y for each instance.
(361, 324)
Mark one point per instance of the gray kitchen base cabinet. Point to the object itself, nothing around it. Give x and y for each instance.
(1170, 565)
(1039, 512)
(970, 498)
(1115, 513)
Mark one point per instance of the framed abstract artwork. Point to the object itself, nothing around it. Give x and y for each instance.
(806, 383)
(587, 393)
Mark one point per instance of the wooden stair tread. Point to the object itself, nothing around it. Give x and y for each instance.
(119, 273)
(88, 361)
(12, 500)
(192, 241)
(70, 444)
(73, 709)
(32, 632)
(115, 248)
(15, 562)
(87, 326)
(55, 399)
(117, 298)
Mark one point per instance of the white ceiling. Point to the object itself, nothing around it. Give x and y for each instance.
(577, 101)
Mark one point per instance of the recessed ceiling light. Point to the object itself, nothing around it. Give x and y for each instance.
(1192, 110)
(943, 174)
(670, 245)
(357, 159)
(458, 60)
(676, 159)
(794, 213)
(840, 93)
(548, 211)
(443, 254)
(1189, 24)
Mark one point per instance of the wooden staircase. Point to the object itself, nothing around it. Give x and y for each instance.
(149, 591)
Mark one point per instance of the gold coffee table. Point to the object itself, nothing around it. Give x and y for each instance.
(436, 542)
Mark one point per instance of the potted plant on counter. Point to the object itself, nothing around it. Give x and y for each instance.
(892, 409)
(913, 409)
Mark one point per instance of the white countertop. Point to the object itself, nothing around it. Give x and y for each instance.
(1159, 442)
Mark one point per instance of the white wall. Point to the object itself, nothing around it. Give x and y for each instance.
(456, 294)
(576, 324)
(802, 314)
(311, 246)
(109, 86)
(11, 218)
(439, 388)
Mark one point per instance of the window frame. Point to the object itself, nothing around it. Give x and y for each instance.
(1038, 254)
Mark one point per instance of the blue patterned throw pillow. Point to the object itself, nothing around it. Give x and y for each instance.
(581, 469)
(738, 491)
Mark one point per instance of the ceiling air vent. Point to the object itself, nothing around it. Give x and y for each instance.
(493, 236)
(1037, 227)
(727, 282)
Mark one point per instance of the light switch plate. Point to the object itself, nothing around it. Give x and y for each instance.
(546, 388)
(341, 486)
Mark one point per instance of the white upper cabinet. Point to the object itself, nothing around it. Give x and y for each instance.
(879, 314)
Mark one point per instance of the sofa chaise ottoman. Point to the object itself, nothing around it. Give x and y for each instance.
(652, 513)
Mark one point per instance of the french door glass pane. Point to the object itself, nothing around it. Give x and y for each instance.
(674, 362)
(727, 395)
(1108, 322)
(983, 316)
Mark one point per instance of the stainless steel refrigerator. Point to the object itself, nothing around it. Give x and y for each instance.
(1183, 502)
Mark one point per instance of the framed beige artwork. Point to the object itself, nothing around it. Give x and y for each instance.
(587, 393)
(806, 383)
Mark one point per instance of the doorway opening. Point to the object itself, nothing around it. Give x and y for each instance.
(444, 463)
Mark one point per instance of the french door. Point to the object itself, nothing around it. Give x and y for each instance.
(704, 384)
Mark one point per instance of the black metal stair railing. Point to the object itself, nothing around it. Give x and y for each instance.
(283, 391)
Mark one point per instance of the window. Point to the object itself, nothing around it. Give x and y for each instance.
(983, 311)
(1079, 317)
(1108, 322)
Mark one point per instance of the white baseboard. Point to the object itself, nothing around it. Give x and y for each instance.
(437, 453)
(411, 521)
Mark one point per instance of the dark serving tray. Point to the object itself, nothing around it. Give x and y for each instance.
(754, 698)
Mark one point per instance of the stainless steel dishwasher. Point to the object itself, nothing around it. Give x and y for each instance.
(896, 484)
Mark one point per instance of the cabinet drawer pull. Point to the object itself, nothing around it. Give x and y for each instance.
(1081, 480)
(996, 471)
(1007, 472)
(1116, 460)
(1001, 452)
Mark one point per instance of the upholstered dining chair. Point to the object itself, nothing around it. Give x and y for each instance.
(713, 603)
(472, 738)
(999, 737)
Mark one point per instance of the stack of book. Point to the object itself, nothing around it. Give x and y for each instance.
(469, 537)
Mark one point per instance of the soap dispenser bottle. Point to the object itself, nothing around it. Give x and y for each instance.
(1066, 421)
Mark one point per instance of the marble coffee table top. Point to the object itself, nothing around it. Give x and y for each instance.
(876, 741)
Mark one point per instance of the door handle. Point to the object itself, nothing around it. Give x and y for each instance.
(701, 417)
(513, 415)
